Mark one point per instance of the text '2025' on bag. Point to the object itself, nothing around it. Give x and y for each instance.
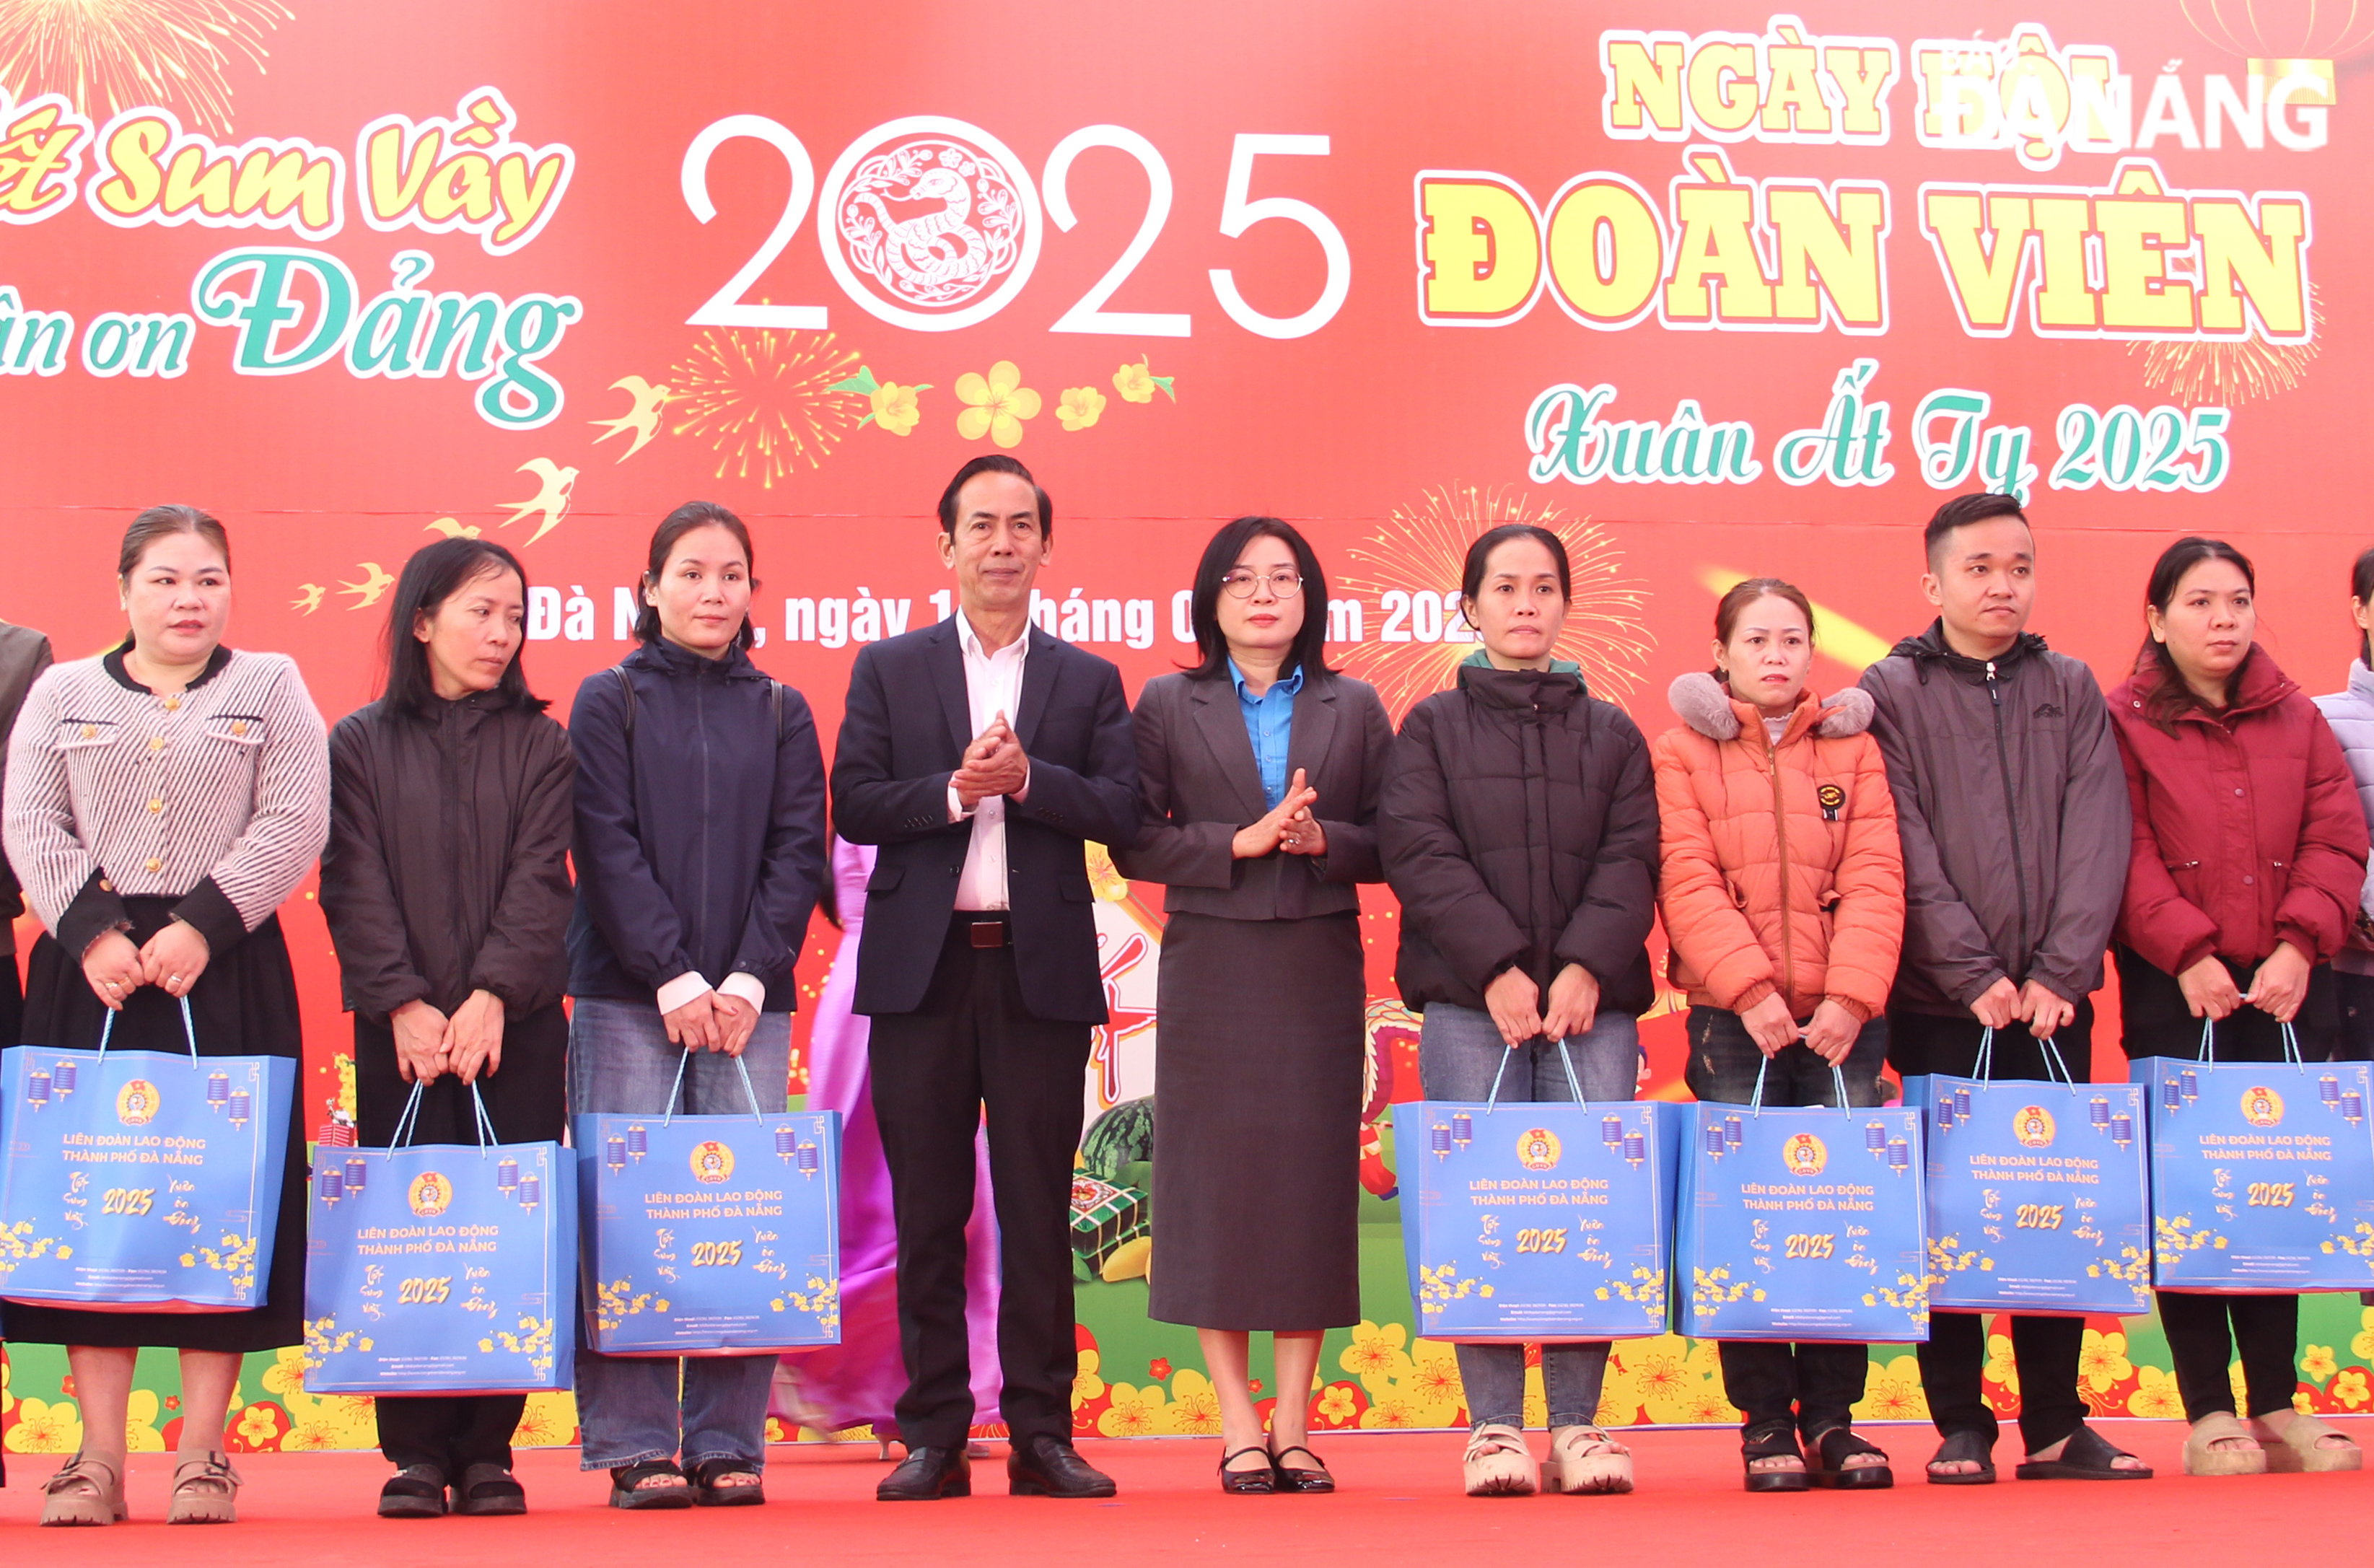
(1540, 1221)
(2037, 1202)
(2261, 1172)
(141, 1181)
(709, 1236)
(441, 1267)
(1803, 1223)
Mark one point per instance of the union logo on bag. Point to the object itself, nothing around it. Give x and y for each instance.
(1804, 1154)
(137, 1103)
(2261, 1107)
(2033, 1126)
(711, 1162)
(1537, 1149)
(429, 1195)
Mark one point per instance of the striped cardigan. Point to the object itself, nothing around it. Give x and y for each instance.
(219, 797)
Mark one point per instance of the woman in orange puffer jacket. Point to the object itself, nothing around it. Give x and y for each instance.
(1782, 894)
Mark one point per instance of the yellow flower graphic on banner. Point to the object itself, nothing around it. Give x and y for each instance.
(1664, 1381)
(2362, 1347)
(1195, 1408)
(140, 1434)
(1086, 1386)
(45, 1428)
(1620, 1393)
(318, 1422)
(1893, 1393)
(896, 408)
(2319, 1363)
(2002, 1370)
(1392, 1411)
(549, 1421)
(1079, 408)
(2103, 1361)
(2155, 1397)
(1434, 1378)
(2234, 1380)
(995, 406)
(1137, 382)
(1375, 1352)
(258, 1425)
(1135, 1412)
(2348, 1387)
(1337, 1406)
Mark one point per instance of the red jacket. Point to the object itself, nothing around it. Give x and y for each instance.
(2247, 828)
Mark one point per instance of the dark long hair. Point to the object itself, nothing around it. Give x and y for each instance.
(1219, 558)
(674, 526)
(434, 574)
(2166, 698)
(2361, 588)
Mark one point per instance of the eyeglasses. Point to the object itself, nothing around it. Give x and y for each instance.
(1241, 584)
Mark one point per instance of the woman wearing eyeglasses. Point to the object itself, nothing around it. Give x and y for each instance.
(1260, 769)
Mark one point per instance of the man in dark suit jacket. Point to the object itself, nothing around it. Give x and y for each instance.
(979, 754)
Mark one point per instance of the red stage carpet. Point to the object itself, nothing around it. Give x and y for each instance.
(1399, 1504)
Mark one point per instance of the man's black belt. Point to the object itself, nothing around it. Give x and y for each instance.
(983, 927)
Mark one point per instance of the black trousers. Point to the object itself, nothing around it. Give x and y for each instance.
(2206, 1333)
(972, 1045)
(1953, 1361)
(526, 1100)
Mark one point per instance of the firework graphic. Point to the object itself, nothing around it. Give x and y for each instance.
(764, 399)
(2200, 371)
(1418, 555)
(108, 56)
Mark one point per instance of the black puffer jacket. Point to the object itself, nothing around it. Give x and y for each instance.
(1519, 825)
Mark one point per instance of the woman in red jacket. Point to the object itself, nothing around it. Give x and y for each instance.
(2250, 852)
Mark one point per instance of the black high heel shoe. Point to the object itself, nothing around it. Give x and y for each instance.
(1248, 1483)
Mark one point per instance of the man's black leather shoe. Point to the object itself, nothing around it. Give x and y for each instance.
(927, 1474)
(1048, 1467)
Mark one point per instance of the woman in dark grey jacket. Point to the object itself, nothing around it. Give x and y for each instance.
(1260, 771)
(701, 810)
(1519, 830)
(445, 883)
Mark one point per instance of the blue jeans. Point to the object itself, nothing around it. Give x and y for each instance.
(1458, 1051)
(632, 1410)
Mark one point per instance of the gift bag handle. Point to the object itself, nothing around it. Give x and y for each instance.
(2292, 1057)
(2056, 1066)
(1491, 1101)
(189, 1031)
(408, 1125)
(675, 1089)
(1755, 1101)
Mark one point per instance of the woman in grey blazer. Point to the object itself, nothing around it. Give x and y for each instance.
(1259, 769)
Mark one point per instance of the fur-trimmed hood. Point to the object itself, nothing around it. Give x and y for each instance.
(1707, 706)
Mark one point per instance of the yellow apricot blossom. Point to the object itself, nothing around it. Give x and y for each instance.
(1079, 408)
(995, 405)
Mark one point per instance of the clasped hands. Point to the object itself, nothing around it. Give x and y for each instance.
(1289, 826)
(2277, 987)
(1830, 1033)
(993, 765)
(172, 959)
(429, 1044)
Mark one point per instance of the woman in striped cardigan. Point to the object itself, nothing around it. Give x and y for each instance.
(161, 801)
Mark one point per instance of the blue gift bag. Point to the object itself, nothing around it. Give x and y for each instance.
(2037, 1193)
(709, 1236)
(1548, 1219)
(441, 1267)
(1801, 1224)
(2261, 1172)
(141, 1181)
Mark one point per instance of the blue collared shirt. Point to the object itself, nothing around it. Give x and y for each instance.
(1269, 721)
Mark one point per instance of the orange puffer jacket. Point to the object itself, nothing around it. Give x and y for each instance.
(1783, 870)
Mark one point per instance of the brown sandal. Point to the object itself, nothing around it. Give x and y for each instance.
(206, 1491)
(77, 1495)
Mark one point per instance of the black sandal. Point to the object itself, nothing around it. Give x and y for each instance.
(1968, 1448)
(488, 1490)
(628, 1490)
(1248, 1483)
(416, 1491)
(1833, 1449)
(1291, 1477)
(707, 1491)
(2088, 1456)
(1772, 1441)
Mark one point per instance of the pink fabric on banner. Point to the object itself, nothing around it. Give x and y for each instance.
(858, 1381)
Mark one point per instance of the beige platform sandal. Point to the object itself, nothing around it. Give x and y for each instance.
(1497, 1463)
(206, 1491)
(2202, 1457)
(1584, 1458)
(2300, 1445)
(86, 1491)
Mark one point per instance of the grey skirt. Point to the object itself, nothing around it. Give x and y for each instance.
(1257, 1094)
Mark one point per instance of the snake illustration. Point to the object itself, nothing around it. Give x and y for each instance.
(917, 248)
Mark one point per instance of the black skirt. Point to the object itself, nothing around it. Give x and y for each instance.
(1257, 1092)
(244, 1004)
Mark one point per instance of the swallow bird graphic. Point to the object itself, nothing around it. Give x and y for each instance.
(367, 591)
(309, 597)
(452, 529)
(552, 500)
(643, 419)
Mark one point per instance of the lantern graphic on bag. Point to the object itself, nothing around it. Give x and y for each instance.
(2098, 1113)
(331, 1184)
(809, 1160)
(358, 1169)
(530, 1192)
(2172, 1095)
(243, 1107)
(639, 1143)
(507, 1177)
(2328, 1093)
(218, 1091)
(37, 1089)
(62, 1076)
(2189, 1082)
(2123, 1129)
(1945, 1113)
(1463, 1129)
(1900, 1155)
(1962, 1102)
(787, 1142)
(613, 1153)
(1610, 1131)
(1874, 1138)
(1438, 1139)
(1734, 1132)
(1636, 1148)
(2353, 1107)
(1714, 1146)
